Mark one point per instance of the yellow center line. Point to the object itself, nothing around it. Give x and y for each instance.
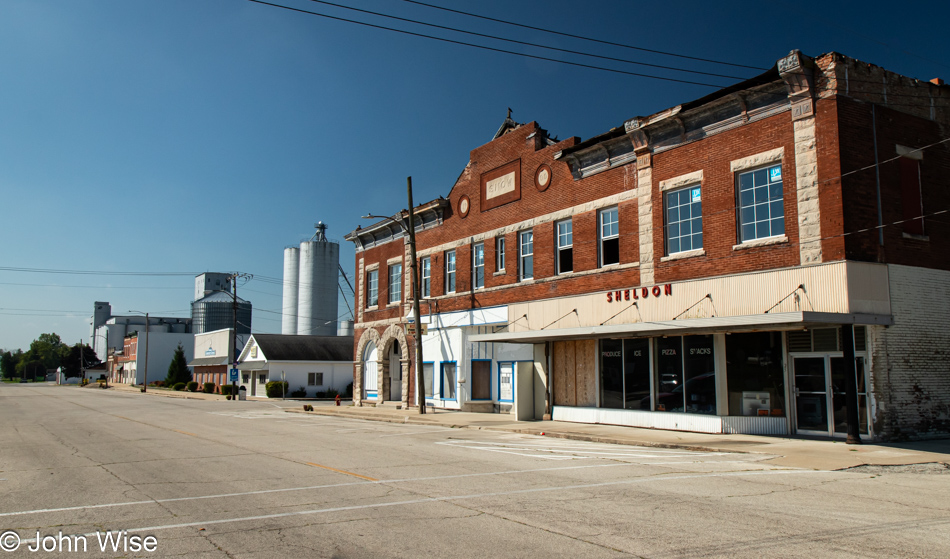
(342, 471)
(185, 433)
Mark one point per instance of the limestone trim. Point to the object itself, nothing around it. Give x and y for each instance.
(645, 223)
(765, 241)
(369, 335)
(566, 213)
(685, 254)
(910, 153)
(360, 286)
(394, 260)
(371, 267)
(392, 334)
(806, 180)
(759, 159)
(696, 177)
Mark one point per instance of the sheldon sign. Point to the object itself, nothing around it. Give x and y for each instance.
(639, 293)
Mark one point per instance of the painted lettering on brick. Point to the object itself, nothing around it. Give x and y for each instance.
(501, 185)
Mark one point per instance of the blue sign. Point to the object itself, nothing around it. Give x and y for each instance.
(210, 351)
(775, 173)
(234, 375)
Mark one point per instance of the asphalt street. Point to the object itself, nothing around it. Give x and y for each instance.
(212, 478)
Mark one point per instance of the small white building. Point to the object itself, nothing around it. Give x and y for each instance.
(314, 363)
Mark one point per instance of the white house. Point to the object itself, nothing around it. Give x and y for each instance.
(315, 363)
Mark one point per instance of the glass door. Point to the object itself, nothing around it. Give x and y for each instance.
(820, 397)
(811, 396)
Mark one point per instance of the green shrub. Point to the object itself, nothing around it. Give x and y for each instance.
(208, 388)
(321, 394)
(179, 386)
(276, 388)
(349, 390)
(332, 393)
(192, 386)
(299, 393)
(225, 389)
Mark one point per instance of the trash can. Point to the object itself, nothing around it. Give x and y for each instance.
(242, 393)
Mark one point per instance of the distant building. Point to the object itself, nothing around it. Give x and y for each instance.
(128, 366)
(214, 305)
(109, 332)
(314, 363)
(213, 354)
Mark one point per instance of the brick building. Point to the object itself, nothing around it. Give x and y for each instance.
(721, 266)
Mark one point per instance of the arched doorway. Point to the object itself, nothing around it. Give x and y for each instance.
(395, 373)
(370, 371)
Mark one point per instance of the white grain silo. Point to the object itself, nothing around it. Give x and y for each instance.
(318, 276)
(288, 323)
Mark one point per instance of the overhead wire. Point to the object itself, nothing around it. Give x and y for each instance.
(484, 47)
(525, 43)
(573, 36)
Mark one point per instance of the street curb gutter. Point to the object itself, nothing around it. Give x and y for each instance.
(521, 430)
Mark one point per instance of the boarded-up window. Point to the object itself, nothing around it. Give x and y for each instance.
(574, 366)
(481, 380)
(911, 201)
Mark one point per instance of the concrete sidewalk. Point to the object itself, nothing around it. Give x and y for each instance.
(784, 451)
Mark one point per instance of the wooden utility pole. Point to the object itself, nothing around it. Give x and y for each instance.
(420, 374)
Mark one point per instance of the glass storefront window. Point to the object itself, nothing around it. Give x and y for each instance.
(636, 374)
(611, 374)
(669, 374)
(754, 374)
(700, 372)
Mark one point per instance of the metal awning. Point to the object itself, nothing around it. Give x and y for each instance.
(254, 366)
(207, 361)
(714, 325)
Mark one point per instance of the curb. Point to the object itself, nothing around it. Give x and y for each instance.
(521, 430)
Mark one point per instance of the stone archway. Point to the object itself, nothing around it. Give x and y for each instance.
(369, 336)
(394, 333)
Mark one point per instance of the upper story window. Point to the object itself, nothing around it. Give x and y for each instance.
(684, 219)
(426, 277)
(525, 255)
(450, 271)
(761, 203)
(565, 246)
(609, 237)
(912, 202)
(499, 254)
(372, 288)
(395, 283)
(478, 266)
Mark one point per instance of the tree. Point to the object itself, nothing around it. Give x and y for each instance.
(178, 369)
(48, 348)
(71, 359)
(8, 363)
(32, 369)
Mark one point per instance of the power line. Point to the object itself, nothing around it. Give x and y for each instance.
(526, 43)
(483, 47)
(584, 38)
(92, 272)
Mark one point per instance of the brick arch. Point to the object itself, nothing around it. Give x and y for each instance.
(392, 334)
(368, 335)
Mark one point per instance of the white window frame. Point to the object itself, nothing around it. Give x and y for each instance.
(768, 203)
(499, 254)
(525, 254)
(312, 379)
(565, 241)
(372, 288)
(395, 284)
(450, 271)
(608, 231)
(478, 266)
(425, 266)
(667, 224)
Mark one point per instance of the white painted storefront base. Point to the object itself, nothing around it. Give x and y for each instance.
(735, 425)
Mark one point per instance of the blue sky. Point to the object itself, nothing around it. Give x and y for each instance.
(206, 135)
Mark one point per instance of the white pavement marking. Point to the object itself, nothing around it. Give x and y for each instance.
(328, 486)
(555, 451)
(418, 433)
(456, 498)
